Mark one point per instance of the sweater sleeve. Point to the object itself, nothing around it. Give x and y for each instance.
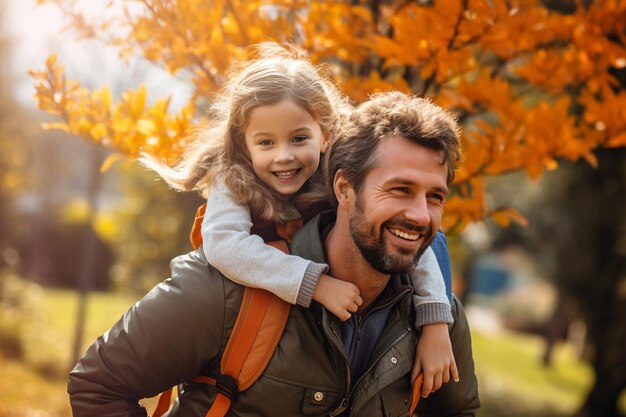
(430, 299)
(456, 399)
(245, 259)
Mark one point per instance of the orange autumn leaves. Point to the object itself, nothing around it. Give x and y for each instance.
(128, 125)
(530, 85)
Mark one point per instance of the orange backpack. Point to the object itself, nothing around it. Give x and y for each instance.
(258, 328)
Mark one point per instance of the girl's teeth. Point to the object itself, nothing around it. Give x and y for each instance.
(404, 235)
(286, 174)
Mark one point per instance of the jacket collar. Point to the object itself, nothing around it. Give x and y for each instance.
(308, 243)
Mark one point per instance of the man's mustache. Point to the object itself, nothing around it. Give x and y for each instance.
(407, 226)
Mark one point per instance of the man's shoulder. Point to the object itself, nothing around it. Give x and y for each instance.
(308, 241)
(195, 278)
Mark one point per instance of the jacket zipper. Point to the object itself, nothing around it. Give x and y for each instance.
(395, 342)
(346, 400)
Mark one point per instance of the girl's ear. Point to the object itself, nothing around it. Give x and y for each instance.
(343, 191)
(326, 141)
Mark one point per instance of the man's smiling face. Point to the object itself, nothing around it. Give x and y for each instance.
(397, 210)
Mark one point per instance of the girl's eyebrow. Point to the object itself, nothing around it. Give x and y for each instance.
(261, 134)
(299, 129)
(308, 129)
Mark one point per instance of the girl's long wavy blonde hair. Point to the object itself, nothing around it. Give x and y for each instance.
(217, 147)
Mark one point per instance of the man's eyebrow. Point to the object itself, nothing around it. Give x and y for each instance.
(404, 181)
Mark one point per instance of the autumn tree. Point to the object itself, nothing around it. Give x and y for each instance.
(533, 83)
(13, 150)
(589, 243)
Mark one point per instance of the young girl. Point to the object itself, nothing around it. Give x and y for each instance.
(255, 161)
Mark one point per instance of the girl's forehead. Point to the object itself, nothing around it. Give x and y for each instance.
(283, 105)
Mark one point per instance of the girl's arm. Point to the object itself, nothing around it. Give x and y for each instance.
(434, 355)
(430, 299)
(245, 258)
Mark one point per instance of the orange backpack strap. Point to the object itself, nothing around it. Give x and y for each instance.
(416, 392)
(258, 328)
(196, 230)
(256, 334)
(164, 403)
(260, 323)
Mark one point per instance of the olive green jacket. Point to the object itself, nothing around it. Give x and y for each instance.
(179, 329)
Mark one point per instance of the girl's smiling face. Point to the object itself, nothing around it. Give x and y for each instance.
(284, 142)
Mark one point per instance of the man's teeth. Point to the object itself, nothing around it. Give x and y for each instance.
(404, 235)
(286, 174)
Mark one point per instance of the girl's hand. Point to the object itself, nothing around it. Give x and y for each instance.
(434, 358)
(339, 297)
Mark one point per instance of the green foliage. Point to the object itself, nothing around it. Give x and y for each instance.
(511, 376)
(148, 228)
(35, 385)
(18, 299)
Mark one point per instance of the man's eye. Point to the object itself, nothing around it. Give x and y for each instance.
(438, 197)
(401, 190)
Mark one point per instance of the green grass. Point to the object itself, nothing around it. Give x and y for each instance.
(36, 385)
(51, 336)
(512, 381)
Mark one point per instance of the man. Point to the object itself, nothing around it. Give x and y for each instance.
(388, 171)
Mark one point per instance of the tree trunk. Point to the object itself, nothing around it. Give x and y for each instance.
(592, 268)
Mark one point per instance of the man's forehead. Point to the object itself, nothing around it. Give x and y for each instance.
(395, 147)
(405, 162)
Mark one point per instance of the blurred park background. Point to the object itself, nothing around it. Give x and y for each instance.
(536, 222)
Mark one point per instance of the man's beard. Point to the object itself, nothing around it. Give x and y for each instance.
(373, 249)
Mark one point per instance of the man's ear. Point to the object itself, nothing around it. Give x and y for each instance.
(326, 141)
(343, 190)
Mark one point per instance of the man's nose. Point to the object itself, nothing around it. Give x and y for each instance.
(416, 211)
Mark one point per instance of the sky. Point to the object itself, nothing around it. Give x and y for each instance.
(36, 32)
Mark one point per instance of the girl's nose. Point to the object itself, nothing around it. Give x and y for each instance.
(284, 155)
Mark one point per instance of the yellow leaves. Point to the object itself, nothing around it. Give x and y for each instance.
(135, 101)
(361, 87)
(335, 29)
(465, 205)
(556, 69)
(531, 86)
(605, 112)
(109, 161)
(146, 127)
(591, 159)
(505, 215)
(51, 61)
(57, 125)
(51, 87)
(98, 132)
(127, 126)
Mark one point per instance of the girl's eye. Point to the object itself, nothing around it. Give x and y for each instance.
(298, 139)
(265, 142)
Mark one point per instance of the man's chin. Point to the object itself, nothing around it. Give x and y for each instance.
(396, 264)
